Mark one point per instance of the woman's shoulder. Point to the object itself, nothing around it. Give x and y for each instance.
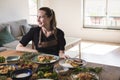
(60, 31)
(35, 28)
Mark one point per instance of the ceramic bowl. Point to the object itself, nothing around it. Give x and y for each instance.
(22, 74)
(13, 59)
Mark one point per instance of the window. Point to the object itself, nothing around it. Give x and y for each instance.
(102, 14)
(33, 11)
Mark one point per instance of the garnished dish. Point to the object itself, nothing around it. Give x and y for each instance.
(86, 73)
(6, 68)
(72, 62)
(45, 72)
(50, 75)
(85, 76)
(45, 59)
(27, 65)
(2, 59)
(28, 55)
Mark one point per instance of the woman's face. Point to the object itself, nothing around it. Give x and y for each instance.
(42, 19)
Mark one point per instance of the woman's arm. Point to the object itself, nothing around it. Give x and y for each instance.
(61, 43)
(25, 40)
(20, 47)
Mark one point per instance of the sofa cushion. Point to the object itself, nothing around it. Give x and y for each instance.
(1, 27)
(11, 45)
(25, 29)
(2, 49)
(24, 26)
(5, 36)
(8, 27)
(16, 27)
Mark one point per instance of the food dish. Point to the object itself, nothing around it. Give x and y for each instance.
(28, 55)
(2, 59)
(85, 76)
(6, 68)
(45, 59)
(46, 72)
(72, 62)
(22, 74)
(12, 59)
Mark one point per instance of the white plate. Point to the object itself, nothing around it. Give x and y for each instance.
(68, 65)
(35, 59)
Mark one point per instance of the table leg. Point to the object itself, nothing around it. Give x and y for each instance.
(79, 51)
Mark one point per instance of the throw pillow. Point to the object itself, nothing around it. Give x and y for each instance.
(5, 36)
(25, 29)
(1, 27)
(22, 29)
(1, 45)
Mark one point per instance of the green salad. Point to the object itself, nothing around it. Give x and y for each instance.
(2, 59)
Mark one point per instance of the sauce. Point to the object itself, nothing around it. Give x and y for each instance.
(22, 75)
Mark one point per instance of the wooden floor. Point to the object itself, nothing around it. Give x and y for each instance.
(103, 53)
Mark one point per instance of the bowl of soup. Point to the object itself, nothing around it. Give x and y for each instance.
(22, 74)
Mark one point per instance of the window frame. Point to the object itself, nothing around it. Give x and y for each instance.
(107, 19)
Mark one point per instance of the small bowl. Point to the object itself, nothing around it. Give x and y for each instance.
(13, 59)
(22, 74)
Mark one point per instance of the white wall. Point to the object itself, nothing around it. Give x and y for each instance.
(69, 19)
(68, 14)
(11, 10)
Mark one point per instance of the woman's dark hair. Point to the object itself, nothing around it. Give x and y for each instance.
(50, 13)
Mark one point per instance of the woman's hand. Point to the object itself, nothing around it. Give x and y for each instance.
(62, 55)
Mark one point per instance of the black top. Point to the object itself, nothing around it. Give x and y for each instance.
(33, 35)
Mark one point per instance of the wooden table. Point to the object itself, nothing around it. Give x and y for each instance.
(108, 72)
(10, 53)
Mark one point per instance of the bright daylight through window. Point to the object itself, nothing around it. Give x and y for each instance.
(102, 14)
(33, 11)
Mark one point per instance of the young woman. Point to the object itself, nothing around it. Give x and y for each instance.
(47, 37)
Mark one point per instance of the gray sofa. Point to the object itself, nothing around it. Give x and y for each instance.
(11, 33)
